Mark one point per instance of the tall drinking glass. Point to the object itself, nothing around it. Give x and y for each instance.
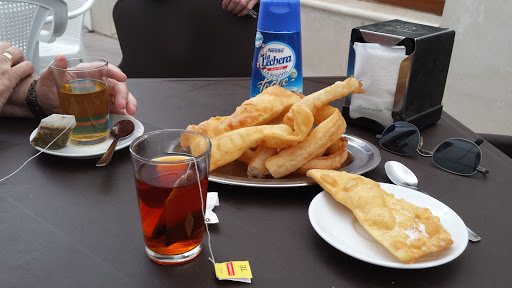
(171, 178)
(82, 88)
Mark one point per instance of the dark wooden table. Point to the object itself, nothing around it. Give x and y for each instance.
(66, 223)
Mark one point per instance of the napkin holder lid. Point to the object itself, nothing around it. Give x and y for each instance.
(422, 76)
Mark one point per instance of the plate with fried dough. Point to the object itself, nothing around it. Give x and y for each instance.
(274, 138)
(339, 227)
(363, 157)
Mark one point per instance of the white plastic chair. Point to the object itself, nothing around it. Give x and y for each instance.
(70, 44)
(21, 24)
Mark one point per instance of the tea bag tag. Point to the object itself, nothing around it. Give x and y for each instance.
(235, 271)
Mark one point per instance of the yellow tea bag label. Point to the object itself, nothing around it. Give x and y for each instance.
(234, 270)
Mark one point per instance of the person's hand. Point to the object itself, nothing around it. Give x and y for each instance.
(12, 72)
(123, 102)
(239, 7)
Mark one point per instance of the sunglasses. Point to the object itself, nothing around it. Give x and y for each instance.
(455, 155)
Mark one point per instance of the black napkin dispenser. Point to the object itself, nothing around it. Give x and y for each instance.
(422, 76)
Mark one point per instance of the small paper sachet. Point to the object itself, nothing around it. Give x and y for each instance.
(212, 200)
(234, 271)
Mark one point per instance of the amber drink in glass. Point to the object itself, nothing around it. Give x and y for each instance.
(82, 89)
(171, 179)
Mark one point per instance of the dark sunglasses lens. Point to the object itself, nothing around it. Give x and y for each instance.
(458, 156)
(401, 138)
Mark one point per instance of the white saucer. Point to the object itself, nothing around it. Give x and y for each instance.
(96, 151)
(337, 225)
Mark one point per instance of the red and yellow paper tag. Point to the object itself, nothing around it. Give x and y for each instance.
(234, 270)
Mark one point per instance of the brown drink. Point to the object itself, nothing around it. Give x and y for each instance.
(87, 99)
(170, 206)
(171, 179)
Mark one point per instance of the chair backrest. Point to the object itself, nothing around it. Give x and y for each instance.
(76, 12)
(70, 44)
(21, 23)
(183, 39)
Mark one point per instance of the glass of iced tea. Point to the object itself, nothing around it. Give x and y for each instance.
(82, 87)
(171, 178)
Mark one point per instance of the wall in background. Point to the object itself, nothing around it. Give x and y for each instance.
(477, 91)
(327, 24)
(101, 18)
(481, 65)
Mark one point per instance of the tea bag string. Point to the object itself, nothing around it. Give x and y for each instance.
(212, 259)
(37, 154)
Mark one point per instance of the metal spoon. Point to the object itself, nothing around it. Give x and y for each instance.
(399, 174)
(121, 129)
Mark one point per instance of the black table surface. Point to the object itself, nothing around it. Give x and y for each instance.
(67, 223)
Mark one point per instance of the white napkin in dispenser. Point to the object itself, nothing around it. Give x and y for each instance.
(403, 67)
(377, 65)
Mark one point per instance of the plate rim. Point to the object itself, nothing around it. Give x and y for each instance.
(139, 130)
(461, 245)
(274, 183)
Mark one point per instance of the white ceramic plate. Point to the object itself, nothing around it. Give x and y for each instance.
(96, 151)
(337, 225)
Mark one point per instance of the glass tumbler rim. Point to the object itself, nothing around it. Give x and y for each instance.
(99, 59)
(149, 161)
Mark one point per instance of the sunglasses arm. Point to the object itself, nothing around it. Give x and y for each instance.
(425, 153)
(482, 170)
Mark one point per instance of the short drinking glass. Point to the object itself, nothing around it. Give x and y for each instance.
(171, 177)
(82, 88)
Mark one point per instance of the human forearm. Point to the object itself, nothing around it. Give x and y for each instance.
(16, 105)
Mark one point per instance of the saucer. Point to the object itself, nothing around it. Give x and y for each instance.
(96, 151)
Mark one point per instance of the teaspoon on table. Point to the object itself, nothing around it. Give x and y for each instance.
(121, 129)
(399, 174)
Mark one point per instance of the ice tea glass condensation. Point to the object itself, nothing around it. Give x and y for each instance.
(171, 199)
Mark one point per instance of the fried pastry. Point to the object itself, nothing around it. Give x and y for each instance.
(317, 100)
(337, 153)
(290, 159)
(230, 146)
(406, 230)
(258, 110)
(246, 156)
(284, 123)
(256, 167)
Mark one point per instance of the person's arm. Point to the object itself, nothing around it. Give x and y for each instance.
(239, 7)
(14, 78)
(16, 105)
(123, 102)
